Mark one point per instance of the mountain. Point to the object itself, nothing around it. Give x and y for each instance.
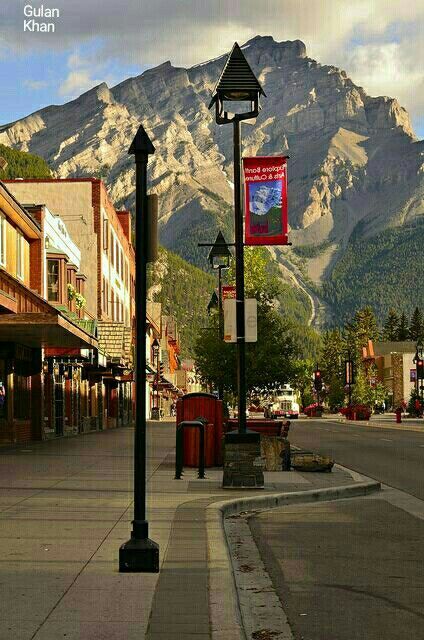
(353, 158)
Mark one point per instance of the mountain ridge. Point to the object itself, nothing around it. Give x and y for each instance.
(353, 158)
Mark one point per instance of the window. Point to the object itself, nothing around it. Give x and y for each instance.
(53, 280)
(112, 249)
(105, 234)
(112, 298)
(2, 240)
(20, 256)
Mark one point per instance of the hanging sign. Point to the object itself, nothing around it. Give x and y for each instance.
(265, 194)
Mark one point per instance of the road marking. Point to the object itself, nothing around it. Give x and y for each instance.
(386, 440)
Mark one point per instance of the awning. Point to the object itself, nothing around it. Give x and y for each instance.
(39, 330)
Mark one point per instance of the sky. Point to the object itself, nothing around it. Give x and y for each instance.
(379, 43)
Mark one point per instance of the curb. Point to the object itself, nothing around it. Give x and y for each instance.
(225, 614)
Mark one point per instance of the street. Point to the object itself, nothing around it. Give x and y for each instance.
(352, 569)
(392, 456)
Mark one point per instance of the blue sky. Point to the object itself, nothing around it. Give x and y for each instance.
(379, 43)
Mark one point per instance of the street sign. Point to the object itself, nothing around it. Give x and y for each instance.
(265, 192)
(250, 320)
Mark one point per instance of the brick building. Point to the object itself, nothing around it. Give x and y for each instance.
(29, 324)
(107, 260)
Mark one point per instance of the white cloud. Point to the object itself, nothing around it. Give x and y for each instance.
(77, 82)
(36, 85)
(353, 34)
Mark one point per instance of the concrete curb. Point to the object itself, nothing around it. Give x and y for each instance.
(225, 614)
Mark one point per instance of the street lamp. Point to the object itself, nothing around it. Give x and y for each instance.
(219, 258)
(238, 85)
(155, 350)
(140, 553)
(213, 303)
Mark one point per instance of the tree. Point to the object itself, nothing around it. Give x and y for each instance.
(403, 330)
(391, 326)
(331, 364)
(416, 327)
(268, 361)
(361, 390)
(360, 330)
(260, 281)
(301, 380)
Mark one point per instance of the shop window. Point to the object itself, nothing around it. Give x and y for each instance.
(53, 280)
(2, 241)
(20, 255)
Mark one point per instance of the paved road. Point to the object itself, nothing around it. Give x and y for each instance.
(346, 570)
(392, 456)
(352, 569)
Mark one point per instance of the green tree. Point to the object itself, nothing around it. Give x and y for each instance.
(331, 364)
(391, 326)
(361, 390)
(416, 326)
(268, 361)
(403, 329)
(301, 380)
(260, 280)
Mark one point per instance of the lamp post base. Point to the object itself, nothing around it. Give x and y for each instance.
(243, 465)
(139, 556)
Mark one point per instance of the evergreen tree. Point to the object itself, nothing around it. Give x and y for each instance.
(331, 363)
(391, 326)
(416, 327)
(403, 330)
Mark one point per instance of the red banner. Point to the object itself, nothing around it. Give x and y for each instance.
(228, 292)
(265, 189)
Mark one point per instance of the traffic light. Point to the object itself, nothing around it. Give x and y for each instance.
(420, 369)
(317, 380)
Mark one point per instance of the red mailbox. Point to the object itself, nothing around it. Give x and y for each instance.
(201, 405)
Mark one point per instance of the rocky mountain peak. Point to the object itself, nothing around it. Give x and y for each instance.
(341, 143)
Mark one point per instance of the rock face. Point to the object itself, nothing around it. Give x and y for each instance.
(352, 157)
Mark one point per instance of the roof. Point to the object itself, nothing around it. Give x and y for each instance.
(236, 75)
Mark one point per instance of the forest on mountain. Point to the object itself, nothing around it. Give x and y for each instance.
(382, 272)
(22, 165)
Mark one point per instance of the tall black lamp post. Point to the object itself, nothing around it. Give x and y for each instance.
(155, 349)
(140, 554)
(238, 84)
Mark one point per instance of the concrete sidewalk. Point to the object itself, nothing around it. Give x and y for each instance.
(66, 507)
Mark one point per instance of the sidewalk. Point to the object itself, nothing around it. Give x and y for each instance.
(65, 508)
